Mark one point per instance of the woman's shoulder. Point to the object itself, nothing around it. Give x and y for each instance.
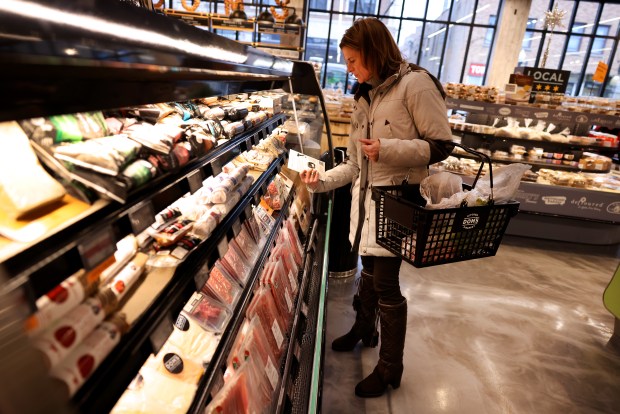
(418, 81)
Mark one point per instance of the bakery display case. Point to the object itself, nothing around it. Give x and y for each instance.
(571, 191)
(142, 253)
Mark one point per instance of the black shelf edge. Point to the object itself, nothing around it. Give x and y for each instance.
(285, 379)
(542, 143)
(218, 360)
(135, 346)
(166, 189)
(537, 165)
(519, 111)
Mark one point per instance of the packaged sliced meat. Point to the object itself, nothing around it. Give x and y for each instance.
(237, 396)
(192, 341)
(210, 314)
(236, 264)
(139, 173)
(154, 392)
(246, 245)
(107, 155)
(222, 286)
(173, 232)
(264, 307)
(292, 230)
(279, 286)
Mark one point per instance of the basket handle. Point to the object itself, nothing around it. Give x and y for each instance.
(483, 158)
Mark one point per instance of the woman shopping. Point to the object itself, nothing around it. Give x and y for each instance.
(399, 126)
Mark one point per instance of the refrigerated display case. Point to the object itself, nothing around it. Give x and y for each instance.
(67, 57)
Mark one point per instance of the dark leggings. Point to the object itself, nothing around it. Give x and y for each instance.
(385, 272)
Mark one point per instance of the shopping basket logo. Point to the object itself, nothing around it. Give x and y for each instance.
(468, 220)
(471, 221)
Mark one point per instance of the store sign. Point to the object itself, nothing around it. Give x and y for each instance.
(477, 69)
(546, 80)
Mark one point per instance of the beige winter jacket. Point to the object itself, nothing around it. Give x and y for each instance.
(405, 112)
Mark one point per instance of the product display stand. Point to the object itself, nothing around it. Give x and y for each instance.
(64, 57)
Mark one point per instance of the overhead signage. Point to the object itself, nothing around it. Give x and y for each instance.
(546, 80)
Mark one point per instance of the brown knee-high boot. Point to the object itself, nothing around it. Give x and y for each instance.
(365, 326)
(389, 370)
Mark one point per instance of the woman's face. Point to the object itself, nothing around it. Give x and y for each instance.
(355, 66)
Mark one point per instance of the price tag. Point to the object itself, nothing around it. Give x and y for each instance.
(255, 139)
(236, 227)
(195, 181)
(141, 216)
(289, 302)
(277, 334)
(161, 333)
(272, 373)
(293, 280)
(248, 143)
(222, 247)
(216, 166)
(97, 247)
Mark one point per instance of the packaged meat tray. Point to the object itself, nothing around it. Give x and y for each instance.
(246, 245)
(222, 286)
(265, 308)
(236, 264)
(192, 341)
(208, 312)
(237, 396)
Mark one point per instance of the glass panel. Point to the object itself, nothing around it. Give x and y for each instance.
(364, 6)
(527, 57)
(438, 10)
(586, 13)
(485, 9)
(600, 45)
(611, 16)
(475, 65)
(455, 53)
(319, 4)
(462, 12)
(613, 80)
(567, 6)
(409, 40)
(432, 46)
(392, 25)
(415, 8)
(335, 75)
(391, 8)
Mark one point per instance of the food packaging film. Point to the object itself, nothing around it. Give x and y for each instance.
(24, 184)
(154, 392)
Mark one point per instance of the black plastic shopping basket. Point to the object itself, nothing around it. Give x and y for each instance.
(431, 237)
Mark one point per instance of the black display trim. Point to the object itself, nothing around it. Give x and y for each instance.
(519, 111)
(218, 361)
(103, 389)
(283, 400)
(56, 257)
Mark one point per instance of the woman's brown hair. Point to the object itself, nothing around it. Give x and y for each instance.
(379, 51)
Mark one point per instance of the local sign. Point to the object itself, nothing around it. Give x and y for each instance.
(546, 80)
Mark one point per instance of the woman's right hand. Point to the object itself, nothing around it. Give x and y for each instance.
(310, 178)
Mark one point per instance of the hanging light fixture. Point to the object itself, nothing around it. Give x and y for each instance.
(293, 21)
(238, 15)
(265, 19)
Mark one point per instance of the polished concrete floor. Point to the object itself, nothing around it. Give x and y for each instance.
(522, 332)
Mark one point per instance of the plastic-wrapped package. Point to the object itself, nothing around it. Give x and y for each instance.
(159, 138)
(207, 223)
(237, 396)
(236, 264)
(107, 155)
(65, 128)
(246, 245)
(192, 341)
(24, 184)
(156, 392)
(265, 308)
(210, 314)
(222, 286)
(173, 232)
(279, 285)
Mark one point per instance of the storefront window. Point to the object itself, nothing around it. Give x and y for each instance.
(413, 9)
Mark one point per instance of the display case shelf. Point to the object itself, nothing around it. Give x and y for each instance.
(531, 112)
